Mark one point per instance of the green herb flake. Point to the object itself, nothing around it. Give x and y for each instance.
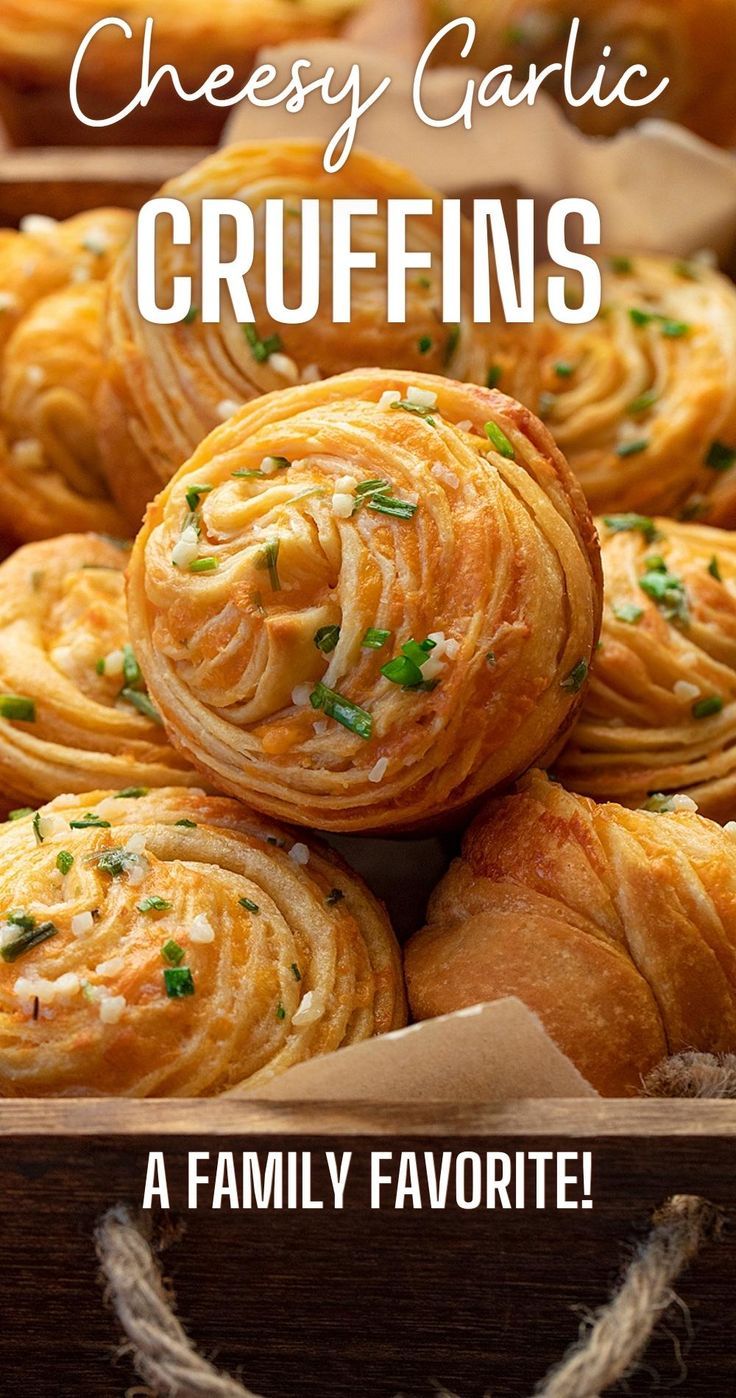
(641, 524)
(131, 793)
(142, 703)
(706, 708)
(20, 813)
(336, 706)
(714, 569)
(326, 639)
(249, 905)
(499, 439)
(675, 329)
(37, 828)
(17, 708)
(375, 638)
(415, 409)
(191, 315)
(179, 982)
(64, 861)
(204, 565)
(100, 666)
(269, 560)
(186, 824)
(195, 493)
(563, 369)
(376, 495)
(90, 821)
(154, 904)
(634, 448)
(173, 953)
(30, 934)
(494, 376)
(720, 456)
(665, 590)
(280, 1012)
(576, 678)
(424, 344)
(628, 612)
(643, 403)
(687, 270)
(406, 669)
(132, 673)
(262, 349)
(622, 266)
(296, 973)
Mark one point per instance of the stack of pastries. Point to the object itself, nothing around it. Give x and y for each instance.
(278, 583)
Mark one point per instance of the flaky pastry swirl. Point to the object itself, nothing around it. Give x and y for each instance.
(178, 945)
(51, 294)
(365, 602)
(65, 661)
(617, 927)
(642, 400)
(660, 713)
(168, 386)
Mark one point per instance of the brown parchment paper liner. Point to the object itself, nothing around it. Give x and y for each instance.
(658, 188)
(494, 1052)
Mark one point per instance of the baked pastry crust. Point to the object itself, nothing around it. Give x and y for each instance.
(168, 386)
(62, 612)
(52, 280)
(488, 549)
(692, 43)
(616, 927)
(289, 955)
(642, 400)
(660, 711)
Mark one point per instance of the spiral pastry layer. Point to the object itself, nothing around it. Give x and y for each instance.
(73, 708)
(178, 945)
(691, 43)
(642, 400)
(617, 927)
(171, 385)
(51, 294)
(659, 719)
(365, 602)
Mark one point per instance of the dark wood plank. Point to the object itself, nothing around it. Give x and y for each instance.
(61, 182)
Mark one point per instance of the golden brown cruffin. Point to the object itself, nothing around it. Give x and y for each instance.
(178, 945)
(659, 719)
(642, 400)
(617, 927)
(332, 530)
(691, 43)
(37, 52)
(65, 660)
(51, 295)
(168, 386)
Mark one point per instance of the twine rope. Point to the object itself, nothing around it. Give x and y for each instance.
(613, 1343)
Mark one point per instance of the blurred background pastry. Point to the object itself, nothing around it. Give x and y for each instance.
(659, 719)
(175, 945)
(168, 386)
(690, 42)
(38, 47)
(74, 714)
(617, 927)
(52, 288)
(642, 400)
(365, 602)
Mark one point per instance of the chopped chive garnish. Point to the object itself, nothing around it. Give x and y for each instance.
(424, 283)
(494, 375)
(186, 824)
(132, 793)
(641, 317)
(115, 862)
(686, 270)
(714, 569)
(643, 403)
(416, 409)
(249, 906)
(282, 464)
(204, 565)
(269, 560)
(132, 673)
(296, 973)
(666, 590)
(705, 708)
(327, 638)
(424, 344)
(191, 315)
(720, 456)
(17, 708)
(335, 895)
(154, 904)
(179, 982)
(576, 678)
(563, 369)
(37, 828)
(64, 861)
(453, 340)
(142, 703)
(375, 494)
(405, 670)
(173, 953)
(100, 666)
(280, 1011)
(621, 265)
(642, 524)
(499, 439)
(375, 639)
(262, 349)
(195, 493)
(90, 821)
(632, 448)
(675, 329)
(628, 612)
(20, 813)
(336, 706)
(30, 934)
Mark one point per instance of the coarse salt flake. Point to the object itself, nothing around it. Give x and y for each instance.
(136, 844)
(284, 367)
(421, 397)
(82, 923)
(684, 803)
(685, 690)
(299, 854)
(28, 454)
(441, 473)
(107, 969)
(114, 663)
(201, 930)
(186, 549)
(227, 408)
(301, 695)
(378, 772)
(37, 224)
(112, 1009)
(309, 1010)
(388, 399)
(343, 504)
